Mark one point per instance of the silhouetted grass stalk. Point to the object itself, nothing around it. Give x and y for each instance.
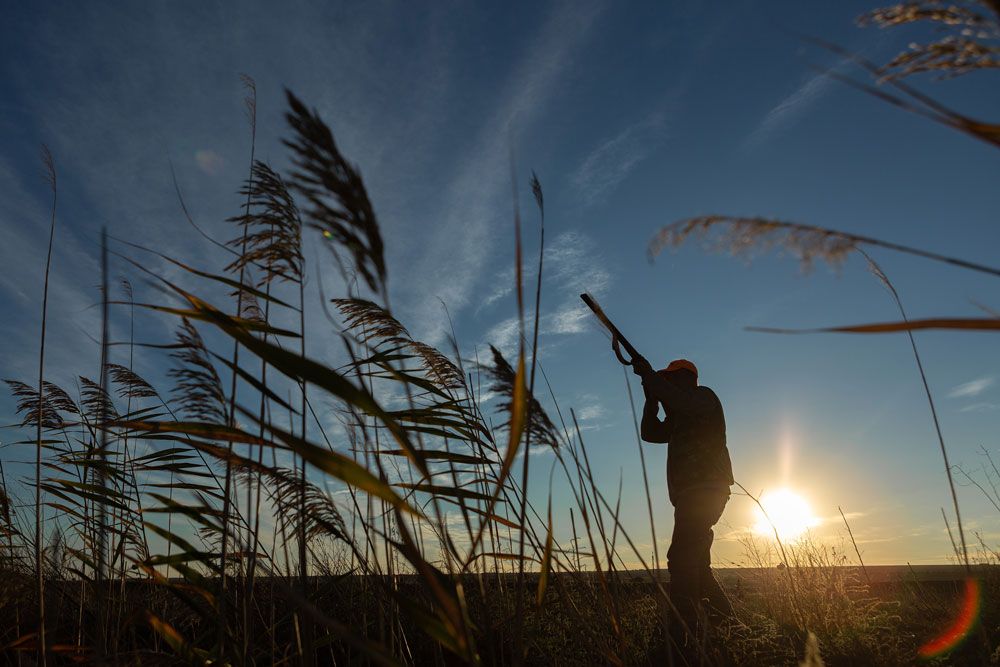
(50, 173)
(536, 189)
(642, 463)
(102, 531)
(880, 274)
(850, 533)
(221, 630)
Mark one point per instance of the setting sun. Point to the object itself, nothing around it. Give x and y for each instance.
(788, 511)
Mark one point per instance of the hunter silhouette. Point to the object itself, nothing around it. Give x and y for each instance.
(699, 474)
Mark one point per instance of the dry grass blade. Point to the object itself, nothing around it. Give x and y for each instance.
(441, 490)
(431, 455)
(955, 323)
(176, 640)
(235, 284)
(342, 468)
(303, 369)
(255, 383)
(164, 430)
(202, 316)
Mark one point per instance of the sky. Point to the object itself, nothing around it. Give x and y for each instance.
(632, 115)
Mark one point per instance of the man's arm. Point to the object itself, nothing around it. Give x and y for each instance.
(652, 429)
(673, 398)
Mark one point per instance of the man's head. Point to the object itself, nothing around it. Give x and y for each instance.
(682, 373)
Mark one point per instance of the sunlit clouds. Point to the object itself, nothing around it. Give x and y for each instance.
(610, 163)
(573, 264)
(971, 388)
(476, 201)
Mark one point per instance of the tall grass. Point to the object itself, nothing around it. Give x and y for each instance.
(435, 518)
(368, 512)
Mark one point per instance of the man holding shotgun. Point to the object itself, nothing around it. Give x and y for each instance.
(699, 472)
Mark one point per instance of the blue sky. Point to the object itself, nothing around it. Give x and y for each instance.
(633, 116)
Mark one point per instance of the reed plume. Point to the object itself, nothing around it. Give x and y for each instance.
(323, 174)
(198, 389)
(974, 42)
(542, 430)
(747, 236)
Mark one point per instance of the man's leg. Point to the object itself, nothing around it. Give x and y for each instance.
(692, 538)
(689, 559)
(719, 605)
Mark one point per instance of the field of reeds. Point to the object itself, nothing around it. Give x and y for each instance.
(269, 508)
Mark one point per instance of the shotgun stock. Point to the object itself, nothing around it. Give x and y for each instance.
(616, 335)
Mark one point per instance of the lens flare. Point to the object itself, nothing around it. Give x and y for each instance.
(209, 161)
(959, 630)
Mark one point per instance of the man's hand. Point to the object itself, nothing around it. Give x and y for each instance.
(641, 367)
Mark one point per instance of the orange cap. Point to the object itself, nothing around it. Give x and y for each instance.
(678, 364)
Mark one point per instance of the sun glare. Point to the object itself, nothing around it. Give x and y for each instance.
(788, 511)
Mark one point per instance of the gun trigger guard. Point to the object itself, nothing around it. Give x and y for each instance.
(618, 352)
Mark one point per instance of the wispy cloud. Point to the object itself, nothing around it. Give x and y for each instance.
(609, 164)
(591, 412)
(876, 540)
(572, 265)
(836, 518)
(504, 335)
(789, 109)
(971, 388)
(503, 284)
(473, 201)
(981, 407)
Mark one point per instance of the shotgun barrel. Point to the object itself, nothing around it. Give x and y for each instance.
(616, 335)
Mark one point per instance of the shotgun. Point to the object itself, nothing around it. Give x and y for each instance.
(616, 335)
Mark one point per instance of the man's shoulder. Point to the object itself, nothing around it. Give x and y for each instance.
(703, 391)
(704, 396)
